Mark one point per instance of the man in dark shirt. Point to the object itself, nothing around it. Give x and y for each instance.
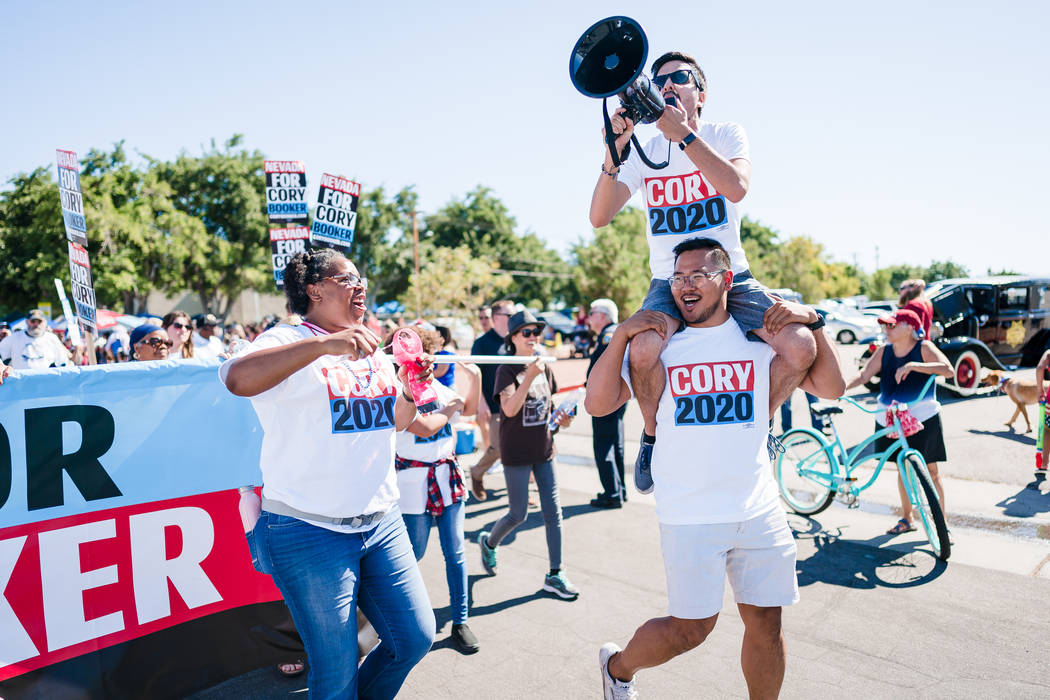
(489, 343)
(607, 431)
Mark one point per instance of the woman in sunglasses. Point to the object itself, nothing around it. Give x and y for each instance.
(180, 331)
(149, 342)
(330, 531)
(526, 445)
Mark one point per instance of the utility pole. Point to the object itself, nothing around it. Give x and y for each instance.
(415, 255)
(876, 258)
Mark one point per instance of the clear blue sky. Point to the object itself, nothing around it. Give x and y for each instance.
(920, 127)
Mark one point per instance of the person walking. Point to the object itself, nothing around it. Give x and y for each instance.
(606, 431)
(904, 363)
(524, 400)
(330, 531)
(490, 343)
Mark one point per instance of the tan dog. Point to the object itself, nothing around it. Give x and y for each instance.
(1022, 392)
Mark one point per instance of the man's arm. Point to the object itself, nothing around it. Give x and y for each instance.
(609, 193)
(606, 389)
(825, 378)
(731, 178)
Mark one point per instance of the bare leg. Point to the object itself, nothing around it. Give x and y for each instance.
(935, 474)
(906, 510)
(762, 655)
(647, 372)
(796, 350)
(658, 641)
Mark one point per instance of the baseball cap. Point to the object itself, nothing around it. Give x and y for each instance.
(37, 314)
(142, 331)
(902, 316)
(607, 307)
(206, 320)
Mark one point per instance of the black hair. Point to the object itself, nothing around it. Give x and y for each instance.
(303, 269)
(721, 257)
(698, 73)
(445, 333)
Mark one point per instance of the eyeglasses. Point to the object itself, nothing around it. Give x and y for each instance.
(156, 343)
(694, 280)
(348, 279)
(678, 77)
(531, 332)
(182, 327)
(500, 313)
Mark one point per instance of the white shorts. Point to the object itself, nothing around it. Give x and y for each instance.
(758, 554)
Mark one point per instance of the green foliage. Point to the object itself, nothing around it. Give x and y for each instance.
(616, 263)
(32, 241)
(382, 248)
(452, 280)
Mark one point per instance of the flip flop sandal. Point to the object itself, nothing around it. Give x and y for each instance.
(901, 527)
(292, 668)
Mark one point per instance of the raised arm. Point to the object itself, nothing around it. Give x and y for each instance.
(870, 369)
(825, 378)
(511, 399)
(609, 193)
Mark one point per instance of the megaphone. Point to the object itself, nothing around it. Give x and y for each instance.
(609, 59)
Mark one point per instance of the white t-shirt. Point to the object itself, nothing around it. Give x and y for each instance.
(412, 483)
(681, 202)
(207, 349)
(710, 463)
(328, 442)
(27, 352)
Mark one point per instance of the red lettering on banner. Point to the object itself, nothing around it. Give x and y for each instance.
(289, 234)
(284, 166)
(342, 184)
(708, 377)
(73, 585)
(78, 255)
(677, 190)
(67, 159)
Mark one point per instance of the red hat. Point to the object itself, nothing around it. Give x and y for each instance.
(903, 316)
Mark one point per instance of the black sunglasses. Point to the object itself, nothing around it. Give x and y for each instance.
(531, 332)
(678, 77)
(156, 343)
(181, 326)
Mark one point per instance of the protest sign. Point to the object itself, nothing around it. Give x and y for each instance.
(124, 569)
(284, 243)
(76, 235)
(72, 329)
(336, 213)
(286, 191)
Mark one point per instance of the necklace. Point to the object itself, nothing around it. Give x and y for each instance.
(317, 330)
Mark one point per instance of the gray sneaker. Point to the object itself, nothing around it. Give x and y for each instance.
(613, 689)
(489, 560)
(560, 585)
(643, 479)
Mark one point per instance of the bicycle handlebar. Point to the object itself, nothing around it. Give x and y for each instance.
(922, 394)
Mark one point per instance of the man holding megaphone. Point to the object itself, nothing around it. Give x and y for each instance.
(705, 173)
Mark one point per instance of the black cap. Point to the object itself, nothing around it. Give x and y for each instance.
(520, 320)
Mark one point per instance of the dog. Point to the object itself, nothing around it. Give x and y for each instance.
(1023, 393)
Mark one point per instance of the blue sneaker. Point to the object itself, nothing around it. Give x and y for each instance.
(643, 479)
(489, 560)
(560, 585)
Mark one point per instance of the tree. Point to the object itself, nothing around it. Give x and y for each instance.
(223, 188)
(32, 241)
(616, 264)
(382, 248)
(943, 270)
(453, 280)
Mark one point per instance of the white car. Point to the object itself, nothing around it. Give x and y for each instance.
(847, 326)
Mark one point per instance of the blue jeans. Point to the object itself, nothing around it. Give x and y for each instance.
(450, 532)
(324, 575)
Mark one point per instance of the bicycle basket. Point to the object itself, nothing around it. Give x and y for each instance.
(909, 423)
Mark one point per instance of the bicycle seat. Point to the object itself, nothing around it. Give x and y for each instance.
(825, 410)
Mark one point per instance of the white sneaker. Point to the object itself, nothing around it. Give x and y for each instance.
(613, 689)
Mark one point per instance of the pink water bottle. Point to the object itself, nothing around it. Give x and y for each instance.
(250, 506)
(408, 351)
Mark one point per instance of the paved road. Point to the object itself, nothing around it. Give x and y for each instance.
(879, 617)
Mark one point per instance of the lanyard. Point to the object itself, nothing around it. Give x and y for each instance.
(317, 330)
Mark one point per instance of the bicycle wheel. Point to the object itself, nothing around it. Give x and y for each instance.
(924, 497)
(804, 472)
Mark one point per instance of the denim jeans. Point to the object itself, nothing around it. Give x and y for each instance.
(450, 533)
(324, 575)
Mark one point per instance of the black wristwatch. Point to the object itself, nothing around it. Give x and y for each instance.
(819, 323)
(687, 140)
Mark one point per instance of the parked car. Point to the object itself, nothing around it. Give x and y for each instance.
(987, 323)
(846, 325)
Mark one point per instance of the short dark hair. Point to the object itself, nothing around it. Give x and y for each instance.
(721, 257)
(701, 79)
(303, 269)
(503, 305)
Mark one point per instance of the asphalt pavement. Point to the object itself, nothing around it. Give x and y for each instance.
(879, 617)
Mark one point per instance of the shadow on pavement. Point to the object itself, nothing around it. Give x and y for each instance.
(860, 563)
(1008, 434)
(533, 519)
(1027, 502)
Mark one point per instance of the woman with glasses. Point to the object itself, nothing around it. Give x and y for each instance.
(180, 331)
(149, 342)
(526, 445)
(330, 531)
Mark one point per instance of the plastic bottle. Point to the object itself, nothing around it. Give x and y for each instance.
(250, 506)
(567, 405)
(408, 350)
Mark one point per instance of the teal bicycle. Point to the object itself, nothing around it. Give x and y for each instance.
(812, 471)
